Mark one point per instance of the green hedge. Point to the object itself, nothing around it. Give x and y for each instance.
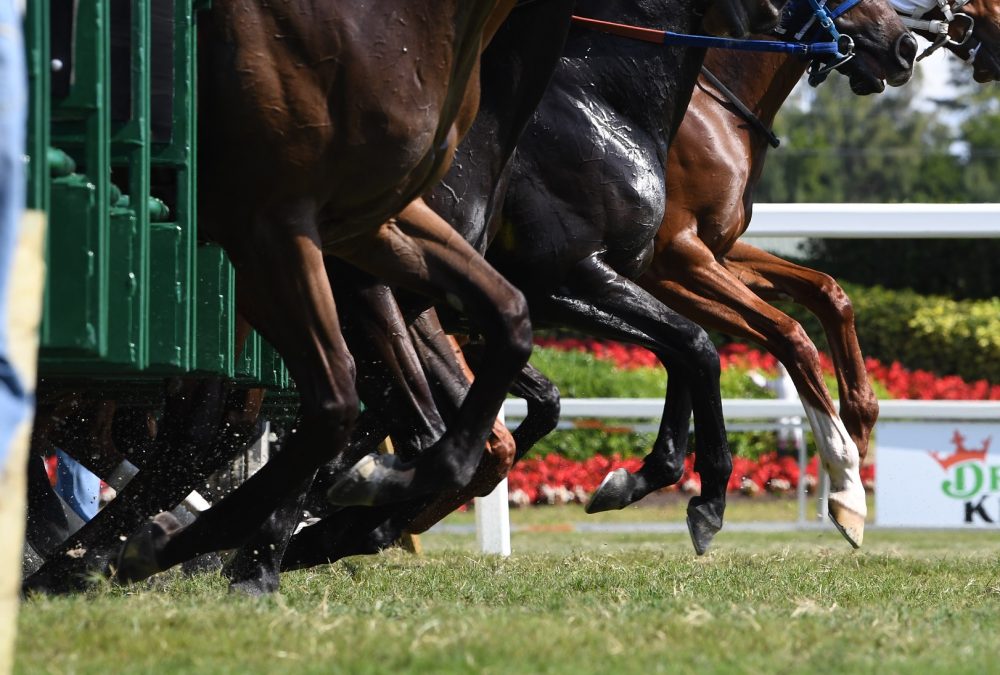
(580, 375)
(932, 333)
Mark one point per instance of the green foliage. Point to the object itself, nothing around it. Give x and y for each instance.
(958, 268)
(837, 147)
(580, 375)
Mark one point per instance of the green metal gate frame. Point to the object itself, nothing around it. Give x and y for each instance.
(131, 293)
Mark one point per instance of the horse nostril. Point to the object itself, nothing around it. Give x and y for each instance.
(906, 50)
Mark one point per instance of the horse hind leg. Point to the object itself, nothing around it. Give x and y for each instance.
(423, 253)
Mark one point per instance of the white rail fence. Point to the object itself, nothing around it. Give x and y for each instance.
(818, 221)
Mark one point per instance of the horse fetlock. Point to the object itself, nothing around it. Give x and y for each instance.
(340, 410)
(663, 466)
(839, 452)
(375, 479)
(455, 471)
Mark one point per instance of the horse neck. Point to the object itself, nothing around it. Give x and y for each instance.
(763, 81)
(650, 83)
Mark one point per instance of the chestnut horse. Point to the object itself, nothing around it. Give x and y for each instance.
(600, 74)
(343, 207)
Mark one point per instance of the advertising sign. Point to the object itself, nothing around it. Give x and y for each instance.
(938, 475)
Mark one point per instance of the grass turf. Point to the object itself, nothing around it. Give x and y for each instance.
(564, 603)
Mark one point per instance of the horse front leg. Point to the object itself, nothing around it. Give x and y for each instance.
(422, 253)
(695, 283)
(285, 294)
(601, 302)
(771, 277)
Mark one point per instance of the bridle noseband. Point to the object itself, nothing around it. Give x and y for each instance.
(824, 18)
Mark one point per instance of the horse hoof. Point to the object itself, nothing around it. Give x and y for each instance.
(362, 483)
(704, 520)
(614, 492)
(138, 558)
(849, 522)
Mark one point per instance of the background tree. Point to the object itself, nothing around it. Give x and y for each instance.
(838, 147)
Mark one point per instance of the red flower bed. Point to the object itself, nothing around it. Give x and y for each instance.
(900, 382)
(557, 480)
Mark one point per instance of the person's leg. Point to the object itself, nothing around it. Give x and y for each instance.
(77, 486)
(20, 308)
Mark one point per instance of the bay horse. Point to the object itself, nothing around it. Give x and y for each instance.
(701, 268)
(324, 187)
(514, 72)
(351, 113)
(301, 554)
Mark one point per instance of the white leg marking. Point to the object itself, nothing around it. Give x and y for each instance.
(841, 457)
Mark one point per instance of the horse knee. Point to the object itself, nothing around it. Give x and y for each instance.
(339, 408)
(546, 407)
(797, 347)
(518, 323)
(704, 356)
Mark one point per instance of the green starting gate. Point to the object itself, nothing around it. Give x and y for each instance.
(132, 293)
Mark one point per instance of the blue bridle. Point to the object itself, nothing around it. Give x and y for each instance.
(841, 46)
(825, 19)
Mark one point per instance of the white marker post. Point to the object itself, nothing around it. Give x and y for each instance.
(493, 518)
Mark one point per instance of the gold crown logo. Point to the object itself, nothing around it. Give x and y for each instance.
(961, 454)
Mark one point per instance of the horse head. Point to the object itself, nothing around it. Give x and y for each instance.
(875, 47)
(968, 28)
(738, 18)
(977, 39)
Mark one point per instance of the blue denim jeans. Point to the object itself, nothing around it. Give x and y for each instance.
(15, 401)
(77, 486)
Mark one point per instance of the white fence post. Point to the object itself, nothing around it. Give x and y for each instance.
(493, 518)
